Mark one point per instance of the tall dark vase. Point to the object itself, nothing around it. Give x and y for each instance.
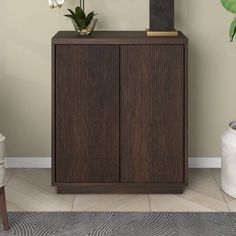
(161, 15)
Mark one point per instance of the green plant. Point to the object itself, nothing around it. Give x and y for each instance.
(79, 18)
(230, 5)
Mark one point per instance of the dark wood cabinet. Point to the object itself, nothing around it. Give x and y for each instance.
(119, 113)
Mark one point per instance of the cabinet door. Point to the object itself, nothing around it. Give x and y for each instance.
(152, 113)
(87, 113)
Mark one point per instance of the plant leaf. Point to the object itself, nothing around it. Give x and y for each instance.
(72, 13)
(89, 17)
(229, 5)
(82, 23)
(70, 16)
(79, 12)
(232, 31)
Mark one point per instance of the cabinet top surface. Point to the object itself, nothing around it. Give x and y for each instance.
(115, 37)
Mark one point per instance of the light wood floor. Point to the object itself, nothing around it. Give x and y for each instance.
(30, 190)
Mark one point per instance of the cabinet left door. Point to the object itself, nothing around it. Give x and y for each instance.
(86, 131)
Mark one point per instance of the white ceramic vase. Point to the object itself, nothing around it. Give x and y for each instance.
(2, 155)
(228, 169)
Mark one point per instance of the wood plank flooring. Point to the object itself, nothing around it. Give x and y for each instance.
(30, 190)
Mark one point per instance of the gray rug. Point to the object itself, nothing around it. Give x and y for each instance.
(113, 223)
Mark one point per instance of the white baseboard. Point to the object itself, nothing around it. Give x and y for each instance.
(204, 162)
(45, 162)
(28, 162)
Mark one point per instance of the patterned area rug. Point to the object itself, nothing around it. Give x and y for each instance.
(122, 224)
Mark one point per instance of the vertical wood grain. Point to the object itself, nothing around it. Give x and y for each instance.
(152, 113)
(87, 113)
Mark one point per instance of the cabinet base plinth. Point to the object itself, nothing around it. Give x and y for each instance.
(121, 188)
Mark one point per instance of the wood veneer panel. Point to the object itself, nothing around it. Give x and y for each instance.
(87, 113)
(152, 113)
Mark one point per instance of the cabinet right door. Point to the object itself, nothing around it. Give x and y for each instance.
(151, 113)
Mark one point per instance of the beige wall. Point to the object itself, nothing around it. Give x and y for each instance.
(26, 27)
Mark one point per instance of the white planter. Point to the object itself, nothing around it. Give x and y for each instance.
(2, 155)
(228, 169)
